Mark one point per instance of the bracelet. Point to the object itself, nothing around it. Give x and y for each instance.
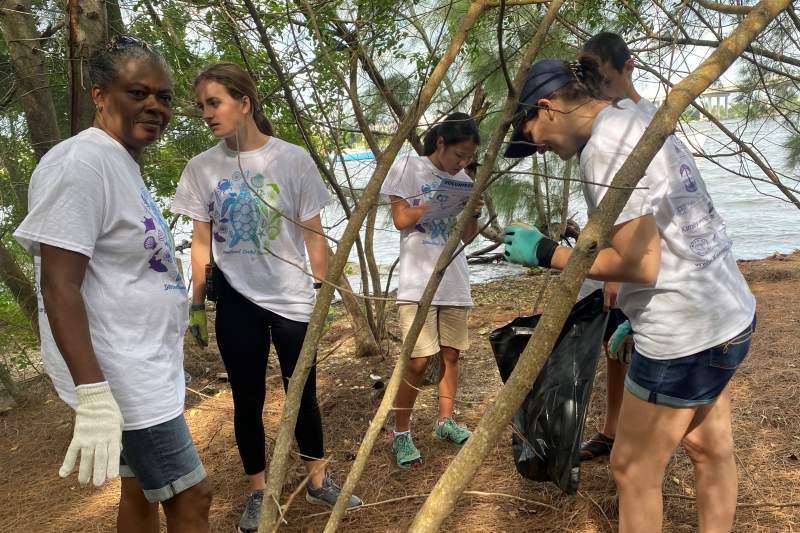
(198, 307)
(317, 285)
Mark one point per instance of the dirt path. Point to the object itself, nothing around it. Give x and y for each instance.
(766, 427)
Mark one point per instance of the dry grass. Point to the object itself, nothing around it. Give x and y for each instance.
(766, 425)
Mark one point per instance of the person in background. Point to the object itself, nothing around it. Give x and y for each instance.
(692, 313)
(243, 195)
(616, 65)
(411, 185)
(113, 308)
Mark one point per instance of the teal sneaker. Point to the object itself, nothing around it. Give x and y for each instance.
(405, 453)
(449, 430)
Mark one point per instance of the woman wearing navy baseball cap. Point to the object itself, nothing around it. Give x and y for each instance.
(691, 310)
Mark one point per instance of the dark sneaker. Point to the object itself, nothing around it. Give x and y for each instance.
(598, 446)
(450, 431)
(328, 493)
(405, 453)
(252, 512)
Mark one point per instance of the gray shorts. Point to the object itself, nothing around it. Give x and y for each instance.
(162, 458)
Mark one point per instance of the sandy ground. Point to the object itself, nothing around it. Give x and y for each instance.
(766, 394)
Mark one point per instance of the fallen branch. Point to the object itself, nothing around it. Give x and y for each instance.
(425, 494)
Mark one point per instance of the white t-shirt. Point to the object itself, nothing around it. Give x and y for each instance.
(647, 107)
(700, 298)
(87, 195)
(591, 285)
(245, 231)
(416, 179)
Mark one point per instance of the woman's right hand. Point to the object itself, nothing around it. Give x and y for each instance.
(404, 215)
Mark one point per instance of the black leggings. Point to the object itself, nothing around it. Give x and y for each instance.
(243, 334)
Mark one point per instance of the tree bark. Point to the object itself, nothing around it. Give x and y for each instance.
(8, 383)
(562, 228)
(19, 30)
(18, 26)
(21, 288)
(442, 499)
(279, 463)
(114, 18)
(86, 32)
(365, 341)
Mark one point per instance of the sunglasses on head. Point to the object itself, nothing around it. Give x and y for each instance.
(126, 41)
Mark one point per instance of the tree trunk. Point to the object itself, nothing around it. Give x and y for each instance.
(18, 26)
(369, 250)
(365, 341)
(21, 288)
(19, 30)
(562, 228)
(86, 32)
(114, 18)
(8, 383)
(442, 499)
(541, 219)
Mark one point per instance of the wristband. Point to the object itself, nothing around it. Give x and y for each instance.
(317, 285)
(544, 252)
(198, 307)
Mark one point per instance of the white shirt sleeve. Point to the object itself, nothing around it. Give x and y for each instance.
(189, 198)
(314, 195)
(66, 208)
(599, 168)
(399, 181)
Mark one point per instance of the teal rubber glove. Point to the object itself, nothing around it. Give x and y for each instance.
(526, 245)
(617, 339)
(198, 324)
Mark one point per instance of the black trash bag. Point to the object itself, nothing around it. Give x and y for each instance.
(548, 425)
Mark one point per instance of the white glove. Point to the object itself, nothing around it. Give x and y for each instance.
(97, 435)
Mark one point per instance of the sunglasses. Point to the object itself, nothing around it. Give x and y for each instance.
(126, 41)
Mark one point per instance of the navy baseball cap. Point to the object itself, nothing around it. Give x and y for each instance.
(544, 78)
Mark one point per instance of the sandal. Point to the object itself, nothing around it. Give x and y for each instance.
(598, 446)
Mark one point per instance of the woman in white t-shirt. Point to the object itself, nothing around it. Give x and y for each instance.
(691, 310)
(412, 185)
(112, 308)
(255, 201)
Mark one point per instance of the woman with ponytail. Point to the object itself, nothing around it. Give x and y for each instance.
(411, 184)
(691, 311)
(255, 202)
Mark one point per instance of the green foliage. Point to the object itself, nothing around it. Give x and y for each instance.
(793, 148)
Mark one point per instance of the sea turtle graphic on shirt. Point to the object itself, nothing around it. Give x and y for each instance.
(244, 216)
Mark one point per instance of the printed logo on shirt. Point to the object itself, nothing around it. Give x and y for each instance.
(689, 182)
(159, 243)
(241, 218)
(436, 231)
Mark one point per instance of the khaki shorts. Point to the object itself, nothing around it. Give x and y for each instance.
(445, 325)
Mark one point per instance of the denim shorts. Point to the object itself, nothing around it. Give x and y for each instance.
(162, 458)
(691, 381)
